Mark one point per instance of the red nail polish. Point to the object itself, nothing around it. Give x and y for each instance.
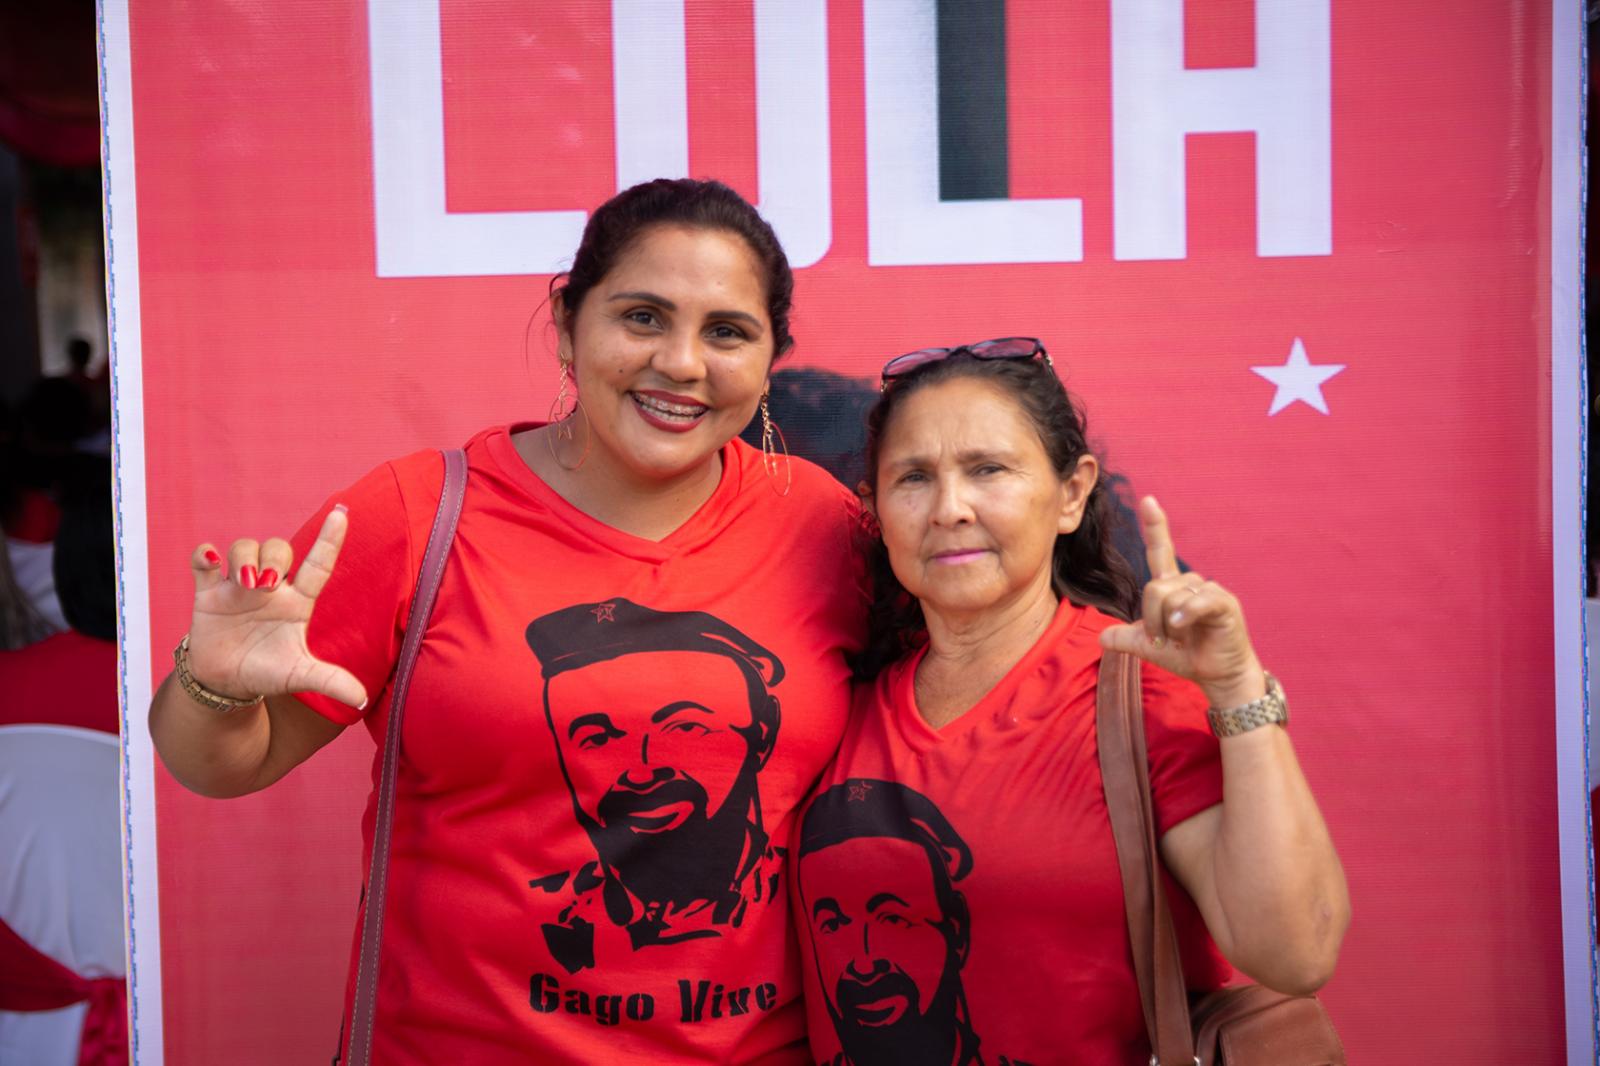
(247, 576)
(212, 557)
(269, 578)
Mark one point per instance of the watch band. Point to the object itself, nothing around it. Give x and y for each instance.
(198, 692)
(1271, 709)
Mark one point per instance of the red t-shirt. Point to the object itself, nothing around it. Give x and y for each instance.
(604, 743)
(960, 885)
(64, 679)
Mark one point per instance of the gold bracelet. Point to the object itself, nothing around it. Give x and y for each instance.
(198, 692)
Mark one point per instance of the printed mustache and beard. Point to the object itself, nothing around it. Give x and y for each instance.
(663, 845)
(880, 1019)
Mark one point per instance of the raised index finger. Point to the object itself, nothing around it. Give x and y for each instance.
(1158, 550)
(317, 566)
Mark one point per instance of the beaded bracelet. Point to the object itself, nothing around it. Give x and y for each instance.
(198, 692)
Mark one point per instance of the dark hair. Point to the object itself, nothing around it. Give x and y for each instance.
(53, 416)
(824, 419)
(85, 549)
(1087, 568)
(619, 222)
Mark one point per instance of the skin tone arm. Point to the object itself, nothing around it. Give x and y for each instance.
(248, 637)
(234, 754)
(1260, 865)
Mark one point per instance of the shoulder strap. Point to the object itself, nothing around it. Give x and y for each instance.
(1124, 770)
(431, 576)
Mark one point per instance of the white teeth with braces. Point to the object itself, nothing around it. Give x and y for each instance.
(669, 410)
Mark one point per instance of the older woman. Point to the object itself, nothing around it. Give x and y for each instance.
(634, 671)
(956, 878)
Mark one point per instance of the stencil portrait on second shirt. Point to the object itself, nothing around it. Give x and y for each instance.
(879, 874)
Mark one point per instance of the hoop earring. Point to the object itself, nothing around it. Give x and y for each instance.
(562, 419)
(559, 412)
(769, 455)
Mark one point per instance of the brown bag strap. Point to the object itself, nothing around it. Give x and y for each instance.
(428, 582)
(1125, 772)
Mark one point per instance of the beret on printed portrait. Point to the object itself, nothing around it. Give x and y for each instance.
(588, 633)
(863, 807)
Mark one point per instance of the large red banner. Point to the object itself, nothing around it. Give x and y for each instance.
(1295, 255)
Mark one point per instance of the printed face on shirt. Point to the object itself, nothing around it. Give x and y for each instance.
(670, 351)
(968, 500)
(654, 740)
(661, 750)
(887, 954)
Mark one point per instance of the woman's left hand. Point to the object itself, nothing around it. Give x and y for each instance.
(1191, 627)
(1260, 865)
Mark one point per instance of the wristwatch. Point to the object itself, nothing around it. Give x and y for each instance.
(1268, 710)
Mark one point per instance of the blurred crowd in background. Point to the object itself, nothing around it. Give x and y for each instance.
(63, 999)
(58, 574)
(62, 989)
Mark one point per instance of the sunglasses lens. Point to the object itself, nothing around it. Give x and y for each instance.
(1006, 348)
(1000, 348)
(905, 364)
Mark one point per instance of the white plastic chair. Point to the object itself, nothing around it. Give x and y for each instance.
(60, 871)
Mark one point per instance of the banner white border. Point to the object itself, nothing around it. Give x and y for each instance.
(1568, 439)
(140, 886)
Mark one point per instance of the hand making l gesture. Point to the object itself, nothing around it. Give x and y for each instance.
(248, 634)
(1190, 626)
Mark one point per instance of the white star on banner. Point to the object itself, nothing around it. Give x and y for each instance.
(1298, 380)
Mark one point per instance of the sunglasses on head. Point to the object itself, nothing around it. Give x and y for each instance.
(999, 348)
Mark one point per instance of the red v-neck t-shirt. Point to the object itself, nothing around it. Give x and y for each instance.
(959, 886)
(604, 744)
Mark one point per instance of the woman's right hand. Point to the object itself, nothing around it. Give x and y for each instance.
(248, 634)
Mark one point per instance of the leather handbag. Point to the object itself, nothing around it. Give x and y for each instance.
(434, 557)
(1248, 1025)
